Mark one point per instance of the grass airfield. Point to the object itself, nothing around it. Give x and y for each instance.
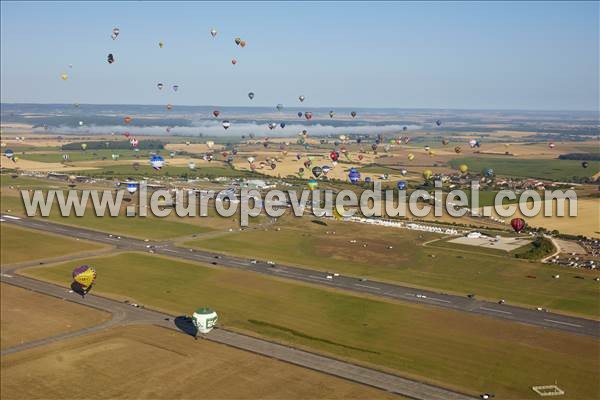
(413, 340)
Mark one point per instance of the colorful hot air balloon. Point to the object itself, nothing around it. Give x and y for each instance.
(127, 120)
(312, 184)
(216, 113)
(282, 125)
(403, 172)
(354, 175)
(115, 33)
(401, 185)
(457, 149)
(410, 156)
(334, 155)
(132, 187)
(210, 144)
(9, 154)
(83, 146)
(157, 162)
(331, 114)
(192, 165)
(226, 124)
(233, 61)
(488, 172)
(427, 174)
(308, 115)
(518, 224)
(83, 278)
(175, 88)
(279, 107)
(64, 76)
(551, 145)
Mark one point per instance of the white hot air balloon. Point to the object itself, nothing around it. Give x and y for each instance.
(204, 319)
(210, 144)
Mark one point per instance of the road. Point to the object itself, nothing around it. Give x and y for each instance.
(124, 314)
(533, 317)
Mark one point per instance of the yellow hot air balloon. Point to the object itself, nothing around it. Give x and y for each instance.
(312, 184)
(411, 156)
(83, 146)
(463, 168)
(64, 77)
(427, 174)
(84, 275)
(161, 44)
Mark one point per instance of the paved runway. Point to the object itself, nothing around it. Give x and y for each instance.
(394, 291)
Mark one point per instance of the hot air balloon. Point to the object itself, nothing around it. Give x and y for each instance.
(127, 120)
(517, 224)
(169, 107)
(410, 156)
(317, 171)
(242, 43)
(427, 174)
(251, 95)
(175, 88)
(308, 115)
(401, 185)
(65, 157)
(132, 187)
(114, 156)
(134, 142)
(488, 172)
(463, 168)
(307, 163)
(110, 58)
(445, 142)
(115, 33)
(551, 145)
(438, 122)
(210, 144)
(213, 32)
(353, 114)
(192, 165)
(83, 146)
(204, 319)
(216, 113)
(585, 164)
(233, 61)
(64, 77)
(9, 154)
(250, 160)
(226, 124)
(472, 143)
(279, 107)
(360, 157)
(427, 148)
(83, 279)
(159, 86)
(237, 41)
(312, 184)
(334, 155)
(157, 162)
(301, 98)
(326, 169)
(272, 125)
(457, 149)
(161, 44)
(331, 114)
(299, 114)
(403, 172)
(354, 175)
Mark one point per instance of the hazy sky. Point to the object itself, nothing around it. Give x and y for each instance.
(407, 55)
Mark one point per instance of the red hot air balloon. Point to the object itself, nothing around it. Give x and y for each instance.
(360, 157)
(127, 120)
(308, 115)
(216, 113)
(334, 156)
(517, 224)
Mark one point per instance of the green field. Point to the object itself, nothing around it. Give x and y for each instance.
(300, 242)
(18, 245)
(556, 170)
(504, 358)
(144, 169)
(88, 155)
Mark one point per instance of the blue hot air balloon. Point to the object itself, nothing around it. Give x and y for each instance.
(157, 162)
(9, 154)
(488, 173)
(368, 179)
(401, 185)
(354, 175)
(132, 187)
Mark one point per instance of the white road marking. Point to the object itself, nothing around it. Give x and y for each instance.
(10, 217)
(6, 275)
(563, 323)
(494, 310)
(318, 277)
(2, 220)
(440, 300)
(172, 251)
(366, 286)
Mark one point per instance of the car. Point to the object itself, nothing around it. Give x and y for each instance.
(541, 309)
(146, 240)
(471, 296)
(270, 262)
(336, 274)
(421, 296)
(214, 263)
(253, 261)
(329, 277)
(217, 257)
(363, 279)
(501, 301)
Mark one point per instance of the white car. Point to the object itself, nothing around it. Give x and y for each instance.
(270, 262)
(329, 277)
(336, 274)
(421, 296)
(253, 261)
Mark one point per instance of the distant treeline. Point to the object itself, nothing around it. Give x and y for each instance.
(580, 156)
(122, 145)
